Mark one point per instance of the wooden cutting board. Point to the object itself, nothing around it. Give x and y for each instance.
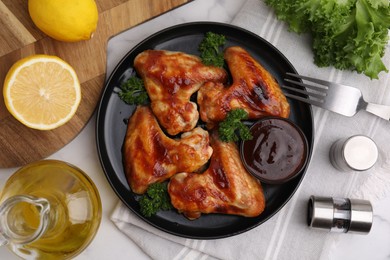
(19, 37)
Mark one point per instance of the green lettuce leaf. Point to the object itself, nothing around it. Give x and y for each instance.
(346, 34)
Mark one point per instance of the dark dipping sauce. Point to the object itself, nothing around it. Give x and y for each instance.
(278, 151)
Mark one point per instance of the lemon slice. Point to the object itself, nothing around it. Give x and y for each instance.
(42, 91)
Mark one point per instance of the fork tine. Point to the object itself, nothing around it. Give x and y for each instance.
(318, 81)
(305, 100)
(321, 88)
(301, 91)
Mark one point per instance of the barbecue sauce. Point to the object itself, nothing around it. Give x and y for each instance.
(277, 152)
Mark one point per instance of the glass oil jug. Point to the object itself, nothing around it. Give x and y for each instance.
(49, 210)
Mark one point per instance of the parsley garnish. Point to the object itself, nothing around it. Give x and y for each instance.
(211, 49)
(133, 92)
(232, 128)
(156, 198)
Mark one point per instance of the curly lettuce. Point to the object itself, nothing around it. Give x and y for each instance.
(347, 34)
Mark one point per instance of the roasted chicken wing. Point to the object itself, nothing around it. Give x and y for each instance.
(254, 89)
(150, 156)
(225, 187)
(170, 79)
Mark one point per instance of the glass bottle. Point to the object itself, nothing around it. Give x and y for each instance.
(49, 210)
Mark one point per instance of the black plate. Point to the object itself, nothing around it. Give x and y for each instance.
(113, 114)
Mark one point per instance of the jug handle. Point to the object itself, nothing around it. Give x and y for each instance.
(6, 235)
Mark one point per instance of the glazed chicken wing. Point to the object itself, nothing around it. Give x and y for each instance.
(254, 89)
(225, 187)
(150, 156)
(170, 79)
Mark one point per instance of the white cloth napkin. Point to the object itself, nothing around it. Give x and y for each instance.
(286, 235)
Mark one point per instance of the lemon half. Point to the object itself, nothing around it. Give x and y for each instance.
(65, 20)
(42, 91)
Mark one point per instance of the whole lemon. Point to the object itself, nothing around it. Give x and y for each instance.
(65, 20)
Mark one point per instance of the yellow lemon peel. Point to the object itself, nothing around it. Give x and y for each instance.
(65, 20)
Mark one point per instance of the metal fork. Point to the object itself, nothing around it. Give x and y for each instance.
(342, 99)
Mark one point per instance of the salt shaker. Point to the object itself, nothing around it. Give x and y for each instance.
(357, 153)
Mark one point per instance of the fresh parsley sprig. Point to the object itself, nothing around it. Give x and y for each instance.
(155, 199)
(232, 128)
(133, 92)
(211, 49)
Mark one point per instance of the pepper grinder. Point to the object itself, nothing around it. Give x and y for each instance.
(340, 214)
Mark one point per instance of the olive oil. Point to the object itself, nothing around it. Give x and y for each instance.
(74, 215)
